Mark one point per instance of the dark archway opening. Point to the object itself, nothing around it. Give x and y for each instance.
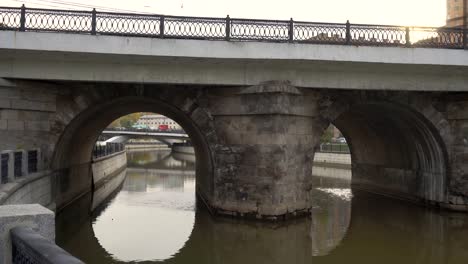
(73, 153)
(395, 151)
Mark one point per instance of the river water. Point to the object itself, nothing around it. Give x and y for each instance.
(153, 218)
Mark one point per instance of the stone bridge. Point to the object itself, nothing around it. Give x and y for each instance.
(254, 112)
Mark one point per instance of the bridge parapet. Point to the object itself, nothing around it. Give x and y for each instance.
(229, 29)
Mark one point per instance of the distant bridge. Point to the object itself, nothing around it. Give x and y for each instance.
(121, 136)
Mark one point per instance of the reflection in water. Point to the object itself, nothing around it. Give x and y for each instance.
(153, 218)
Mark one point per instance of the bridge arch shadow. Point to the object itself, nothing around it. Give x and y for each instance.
(73, 152)
(395, 150)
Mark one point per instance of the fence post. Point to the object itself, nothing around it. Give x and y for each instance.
(291, 30)
(23, 18)
(228, 28)
(348, 33)
(407, 38)
(161, 26)
(93, 22)
(465, 38)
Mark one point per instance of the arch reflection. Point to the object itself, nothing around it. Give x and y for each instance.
(364, 229)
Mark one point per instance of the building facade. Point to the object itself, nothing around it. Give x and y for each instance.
(158, 122)
(457, 13)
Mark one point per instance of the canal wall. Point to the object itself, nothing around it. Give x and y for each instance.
(145, 146)
(327, 159)
(183, 149)
(107, 167)
(107, 188)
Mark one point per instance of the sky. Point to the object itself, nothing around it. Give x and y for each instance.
(390, 12)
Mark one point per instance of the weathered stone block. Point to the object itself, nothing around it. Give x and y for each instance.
(9, 114)
(5, 103)
(3, 124)
(34, 216)
(37, 125)
(15, 125)
(33, 105)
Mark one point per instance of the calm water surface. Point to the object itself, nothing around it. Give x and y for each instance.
(153, 218)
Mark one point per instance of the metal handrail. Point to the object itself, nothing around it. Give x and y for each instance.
(334, 148)
(108, 149)
(229, 29)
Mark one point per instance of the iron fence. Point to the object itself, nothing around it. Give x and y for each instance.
(28, 247)
(231, 29)
(18, 164)
(32, 161)
(107, 149)
(4, 169)
(334, 148)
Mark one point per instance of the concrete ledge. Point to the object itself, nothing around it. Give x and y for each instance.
(34, 216)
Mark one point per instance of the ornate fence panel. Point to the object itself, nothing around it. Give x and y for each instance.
(231, 29)
(194, 27)
(10, 18)
(436, 37)
(260, 30)
(58, 20)
(377, 35)
(127, 24)
(324, 33)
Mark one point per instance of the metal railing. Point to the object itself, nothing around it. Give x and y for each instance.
(148, 130)
(334, 148)
(4, 169)
(230, 29)
(107, 149)
(31, 248)
(32, 161)
(18, 164)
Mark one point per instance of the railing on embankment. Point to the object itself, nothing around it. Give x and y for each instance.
(333, 155)
(229, 29)
(27, 236)
(28, 247)
(23, 179)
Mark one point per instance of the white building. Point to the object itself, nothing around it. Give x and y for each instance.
(158, 122)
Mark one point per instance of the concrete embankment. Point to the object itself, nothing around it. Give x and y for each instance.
(145, 146)
(39, 187)
(342, 160)
(332, 165)
(183, 149)
(105, 168)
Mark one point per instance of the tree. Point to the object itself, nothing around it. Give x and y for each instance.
(327, 135)
(127, 121)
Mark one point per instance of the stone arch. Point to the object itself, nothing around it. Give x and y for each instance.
(398, 144)
(73, 150)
